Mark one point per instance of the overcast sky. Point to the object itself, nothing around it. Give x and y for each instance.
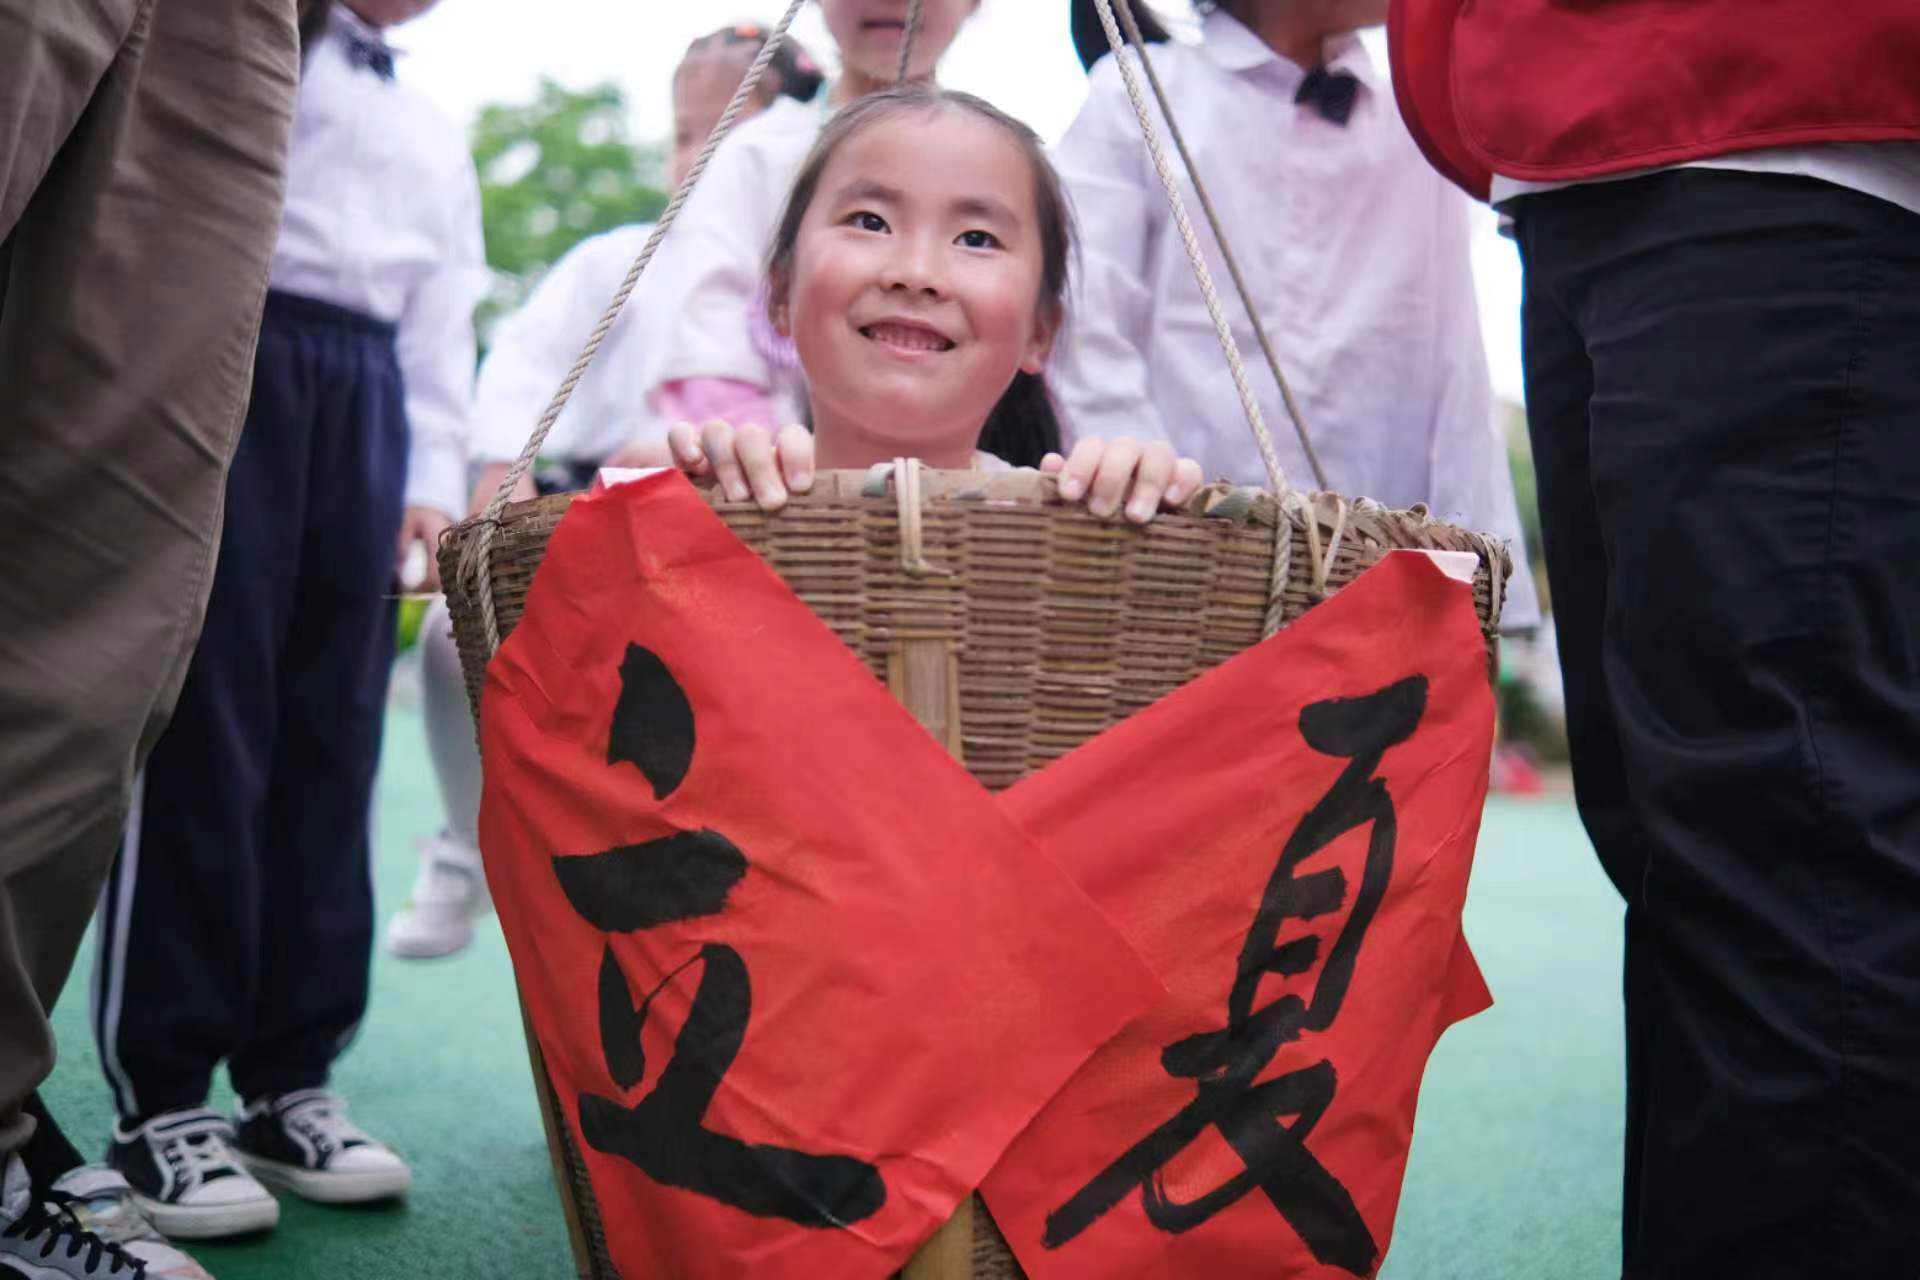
(466, 53)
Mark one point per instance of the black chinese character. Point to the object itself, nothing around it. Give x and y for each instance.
(684, 877)
(1224, 1064)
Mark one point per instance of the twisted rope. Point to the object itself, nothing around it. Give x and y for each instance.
(1226, 250)
(1276, 475)
(476, 563)
(906, 41)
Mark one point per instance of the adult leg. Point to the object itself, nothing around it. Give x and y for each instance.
(1756, 352)
(1559, 375)
(140, 188)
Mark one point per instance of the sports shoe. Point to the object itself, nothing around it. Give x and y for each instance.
(100, 1199)
(448, 893)
(186, 1179)
(45, 1241)
(302, 1142)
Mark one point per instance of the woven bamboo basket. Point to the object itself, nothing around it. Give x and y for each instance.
(1062, 624)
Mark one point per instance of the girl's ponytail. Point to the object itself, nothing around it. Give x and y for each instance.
(1023, 427)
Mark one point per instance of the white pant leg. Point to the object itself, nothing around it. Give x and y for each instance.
(449, 719)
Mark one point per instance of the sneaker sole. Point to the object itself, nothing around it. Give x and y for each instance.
(420, 947)
(209, 1222)
(331, 1188)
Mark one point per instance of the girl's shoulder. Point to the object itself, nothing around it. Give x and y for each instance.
(779, 136)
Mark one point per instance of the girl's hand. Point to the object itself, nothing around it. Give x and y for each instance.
(745, 461)
(1112, 473)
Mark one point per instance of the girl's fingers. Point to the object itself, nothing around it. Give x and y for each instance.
(717, 442)
(683, 442)
(1110, 482)
(1187, 479)
(794, 444)
(1051, 464)
(1150, 481)
(754, 448)
(1077, 473)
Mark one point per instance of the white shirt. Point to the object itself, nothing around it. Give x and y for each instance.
(383, 218)
(712, 264)
(1357, 252)
(1887, 170)
(533, 349)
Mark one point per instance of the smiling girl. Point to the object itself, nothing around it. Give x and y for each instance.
(918, 268)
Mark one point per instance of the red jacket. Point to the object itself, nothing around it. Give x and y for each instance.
(1551, 90)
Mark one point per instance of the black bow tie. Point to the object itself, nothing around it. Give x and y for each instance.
(1331, 93)
(370, 54)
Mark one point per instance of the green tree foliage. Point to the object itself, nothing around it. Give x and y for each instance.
(553, 172)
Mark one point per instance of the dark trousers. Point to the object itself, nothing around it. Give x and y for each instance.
(238, 922)
(1723, 385)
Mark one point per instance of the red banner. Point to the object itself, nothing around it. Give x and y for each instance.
(1287, 842)
(797, 979)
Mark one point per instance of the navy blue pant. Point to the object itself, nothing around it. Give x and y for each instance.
(238, 922)
(1723, 387)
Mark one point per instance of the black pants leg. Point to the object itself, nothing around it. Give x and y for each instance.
(317, 916)
(1724, 386)
(238, 920)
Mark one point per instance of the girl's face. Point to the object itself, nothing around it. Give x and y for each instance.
(869, 32)
(702, 87)
(915, 289)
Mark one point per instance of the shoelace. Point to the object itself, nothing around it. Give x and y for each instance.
(200, 1148)
(61, 1226)
(319, 1114)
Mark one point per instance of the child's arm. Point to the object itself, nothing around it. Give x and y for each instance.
(708, 364)
(1099, 368)
(748, 463)
(436, 351)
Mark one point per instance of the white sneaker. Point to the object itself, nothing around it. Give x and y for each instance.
(186, 1178)
(101, 1200)
(449, 892)
(45, 1241)
(303, 1143)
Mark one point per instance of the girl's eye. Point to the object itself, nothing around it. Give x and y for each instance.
(979, 240)
(867, 221)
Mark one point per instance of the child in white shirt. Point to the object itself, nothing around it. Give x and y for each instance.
(605, 423)
(1355, 250)
(721, 361)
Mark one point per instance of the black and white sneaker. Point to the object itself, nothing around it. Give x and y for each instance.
(302, 1142)
(186, 1178)
(42, 1241)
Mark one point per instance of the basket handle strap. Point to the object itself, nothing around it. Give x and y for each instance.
(1276, 477)
(476, 562)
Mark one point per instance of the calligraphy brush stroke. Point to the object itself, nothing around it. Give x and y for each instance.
(683, 876)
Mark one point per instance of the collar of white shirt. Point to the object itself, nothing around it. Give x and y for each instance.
(348, 25)
(1233, 47)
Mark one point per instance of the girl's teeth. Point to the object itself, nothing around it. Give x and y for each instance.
(908, 338)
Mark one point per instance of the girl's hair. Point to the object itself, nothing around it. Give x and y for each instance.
(1023, 426)
(1090, 38)
(792, 73)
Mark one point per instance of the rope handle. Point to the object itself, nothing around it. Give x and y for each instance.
(476, 562)
(1202, 274)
